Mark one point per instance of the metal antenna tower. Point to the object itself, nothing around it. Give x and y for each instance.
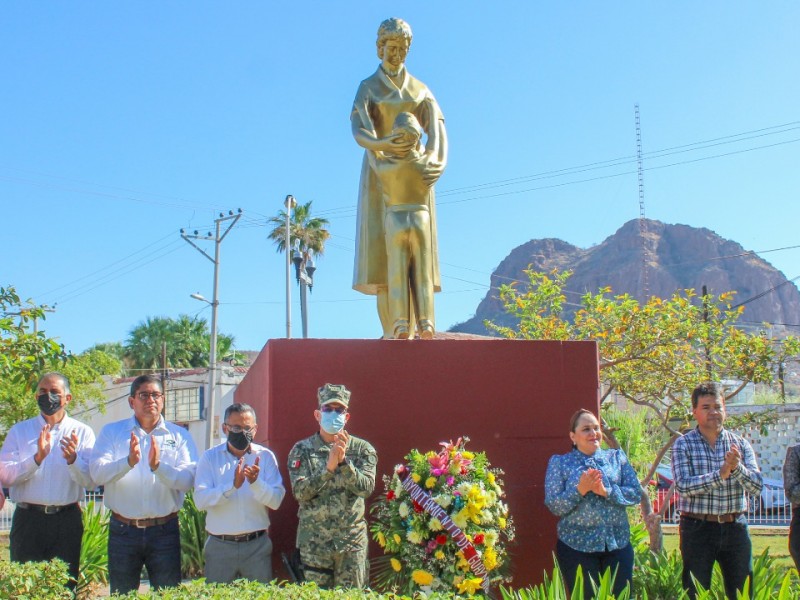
(642, 220)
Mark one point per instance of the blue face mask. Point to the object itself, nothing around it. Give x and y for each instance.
(332, 422)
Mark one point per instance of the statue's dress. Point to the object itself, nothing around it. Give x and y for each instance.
(378, 102)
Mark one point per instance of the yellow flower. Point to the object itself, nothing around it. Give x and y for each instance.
(397, 539)
(430, 482)
(413, 537)
(490, 477)
(462, 562)
(490, 558)
(421, 577)
(396, 564)
(468, 455)
(501, 521)
(415, 477)
(381, 539)
(435, 525)
(490, 538)
(460, 518)
(470, 585)
(439, 555)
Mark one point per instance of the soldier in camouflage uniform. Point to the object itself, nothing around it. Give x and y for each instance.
(332, 473)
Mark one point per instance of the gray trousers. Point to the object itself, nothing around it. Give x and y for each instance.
(226, 561)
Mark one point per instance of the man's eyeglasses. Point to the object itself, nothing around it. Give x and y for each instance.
(337, 409)
(146, 395)
(237, 429)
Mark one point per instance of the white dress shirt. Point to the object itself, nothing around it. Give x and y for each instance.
(232, 511)
(54, 482)
(137, 492)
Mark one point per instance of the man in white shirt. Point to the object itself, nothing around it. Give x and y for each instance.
(146, 464)
(237, 481)
(45, 462)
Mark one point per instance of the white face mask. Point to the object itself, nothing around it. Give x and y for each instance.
(332, 422)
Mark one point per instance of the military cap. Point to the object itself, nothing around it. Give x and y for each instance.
(330, 393)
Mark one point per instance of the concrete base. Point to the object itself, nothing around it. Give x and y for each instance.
(512, 398)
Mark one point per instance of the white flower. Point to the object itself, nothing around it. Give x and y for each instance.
(464, 487)
(443, 500)
(403, 510)
(490, 538)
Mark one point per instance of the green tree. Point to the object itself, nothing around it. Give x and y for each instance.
(24, 355)
(652, 354)
(306, 233)
(188, 341)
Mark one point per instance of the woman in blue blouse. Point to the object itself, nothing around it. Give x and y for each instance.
(589, 489)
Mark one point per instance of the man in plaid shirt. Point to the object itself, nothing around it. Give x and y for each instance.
(714, 469)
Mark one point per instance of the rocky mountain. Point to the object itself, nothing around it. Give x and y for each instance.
(678, 257)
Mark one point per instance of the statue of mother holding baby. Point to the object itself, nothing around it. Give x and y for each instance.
(396, 248)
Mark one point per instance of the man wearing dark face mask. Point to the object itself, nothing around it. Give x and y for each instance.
(236, 482)
(332, 472)
(45, 461)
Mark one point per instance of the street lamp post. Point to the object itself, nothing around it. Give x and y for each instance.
(289, 203)
(304, 271)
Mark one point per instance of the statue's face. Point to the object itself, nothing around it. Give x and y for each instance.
(394, 54)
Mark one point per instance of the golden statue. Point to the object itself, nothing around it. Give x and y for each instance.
(405, 287)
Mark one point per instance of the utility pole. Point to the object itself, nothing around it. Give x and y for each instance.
(212, 358)
(289, 203)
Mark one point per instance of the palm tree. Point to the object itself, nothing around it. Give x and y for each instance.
(188, 342)
(306, 233)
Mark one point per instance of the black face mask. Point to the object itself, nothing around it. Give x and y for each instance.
(49, 403)
(240, 441)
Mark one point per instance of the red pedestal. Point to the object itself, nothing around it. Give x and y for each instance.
(512, 398)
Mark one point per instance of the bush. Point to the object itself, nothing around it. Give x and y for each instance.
(249, 590)
(192, 524)
(34, 581)
(94, 551)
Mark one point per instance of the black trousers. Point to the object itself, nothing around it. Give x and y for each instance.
(36, 537)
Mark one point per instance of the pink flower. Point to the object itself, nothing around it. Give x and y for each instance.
(451, 480)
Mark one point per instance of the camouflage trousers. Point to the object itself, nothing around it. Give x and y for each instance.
(347, 569)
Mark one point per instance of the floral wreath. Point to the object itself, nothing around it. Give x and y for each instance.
(442, 524)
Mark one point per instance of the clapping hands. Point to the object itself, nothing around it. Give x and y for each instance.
(592, 481)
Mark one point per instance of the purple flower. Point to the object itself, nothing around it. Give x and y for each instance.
(451, 480)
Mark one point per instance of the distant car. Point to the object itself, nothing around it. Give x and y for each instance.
(772, 498)
(663, 481)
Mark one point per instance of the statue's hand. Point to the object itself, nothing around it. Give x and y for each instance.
(396, 143)
(433, 170)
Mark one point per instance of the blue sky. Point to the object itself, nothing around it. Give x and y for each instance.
(123, 122)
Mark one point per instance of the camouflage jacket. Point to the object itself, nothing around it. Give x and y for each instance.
(331, 510)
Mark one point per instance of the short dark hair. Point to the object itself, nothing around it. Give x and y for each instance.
(142, 379)
(573, 421)
(239, 408)
(708, 388)
(64, 380)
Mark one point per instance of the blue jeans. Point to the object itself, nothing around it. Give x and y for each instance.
(157, 548)
(703, 542)
(593, 565)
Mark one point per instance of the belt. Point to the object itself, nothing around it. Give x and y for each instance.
(50, 509)
(728, 518)
(242, 537)
(143, 523)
